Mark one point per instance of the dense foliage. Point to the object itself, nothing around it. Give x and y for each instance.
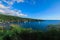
(15, 18)
(18, 33)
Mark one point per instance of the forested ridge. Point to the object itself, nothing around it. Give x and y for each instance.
(15, 18)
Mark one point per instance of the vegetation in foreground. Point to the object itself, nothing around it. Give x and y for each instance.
(18, 33)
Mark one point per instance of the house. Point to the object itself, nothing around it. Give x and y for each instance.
(4, 25)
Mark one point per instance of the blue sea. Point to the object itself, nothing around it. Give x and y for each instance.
(38, 25)
(41, 25)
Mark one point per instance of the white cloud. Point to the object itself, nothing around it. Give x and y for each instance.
(8, 11)
(11, 2)
(2, 6)
(20, 1)
(2, 11)
(14, 13)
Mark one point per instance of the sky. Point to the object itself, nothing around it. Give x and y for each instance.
(37, 9)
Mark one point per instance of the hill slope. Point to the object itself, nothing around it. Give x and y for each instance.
(15, 18)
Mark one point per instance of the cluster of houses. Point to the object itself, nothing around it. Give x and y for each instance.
(4, 25)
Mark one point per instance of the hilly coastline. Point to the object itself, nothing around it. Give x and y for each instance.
(16, 18)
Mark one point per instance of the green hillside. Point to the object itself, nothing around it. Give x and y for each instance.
(15, 18)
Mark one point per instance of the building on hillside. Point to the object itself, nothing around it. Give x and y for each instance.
(4, 25)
